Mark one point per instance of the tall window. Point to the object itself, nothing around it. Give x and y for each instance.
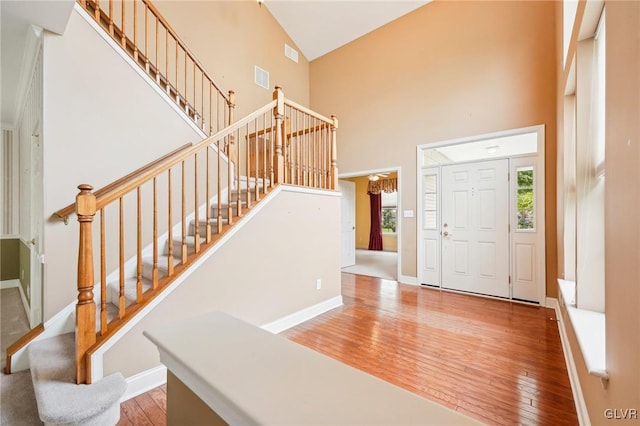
(389, 212)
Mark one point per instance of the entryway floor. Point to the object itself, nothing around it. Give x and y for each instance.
(372, 263)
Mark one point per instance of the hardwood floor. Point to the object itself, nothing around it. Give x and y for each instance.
(496, 361)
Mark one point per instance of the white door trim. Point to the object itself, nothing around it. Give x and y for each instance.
(398, 171)
(540, 194)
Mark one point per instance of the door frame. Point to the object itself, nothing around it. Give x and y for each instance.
(342, 185)
(400, 216)
(540, 199)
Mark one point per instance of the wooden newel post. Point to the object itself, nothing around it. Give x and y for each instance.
(278, 112)
(86, 307)
(231, 152)
(334, 152)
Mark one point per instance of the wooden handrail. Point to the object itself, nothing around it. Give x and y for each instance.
(308, 111)
(183, 45)
(71, 208)
(258, 165)
(179, 74)
(118, 191)
(21, 343)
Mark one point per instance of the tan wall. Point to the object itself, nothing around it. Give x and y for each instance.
(9, 259)
(363, 216)
(257, 276)
(229, 38)
(622, 208)
(447, 70)
(97, 127)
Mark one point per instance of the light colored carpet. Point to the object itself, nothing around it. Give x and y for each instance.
(13, 319)
(381, 264)
(17, 399)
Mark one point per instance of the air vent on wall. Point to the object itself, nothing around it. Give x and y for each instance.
(291, 53)
(261, 77)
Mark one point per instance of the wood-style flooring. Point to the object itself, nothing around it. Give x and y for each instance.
(496, 361)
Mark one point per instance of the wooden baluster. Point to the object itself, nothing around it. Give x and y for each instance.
(86, 307)
(103, 275)
(121, 299)
(334, 153)
(96, 12)
(298, 146)
(272, 141)
(111, 17)
(278, 112)
(248, 196)
(210, 109)
(184, 218)
(186, 109)
(291, 148)
(83, 3)
(305, 150)
(219, 195)
(123, 39)
(325, 157)
(202, 102)
(139, 249)
(135, 30)
(166, 59)
(146, 38)
(256, 157)
(230, 166)
(157, 40)
(232, 106)
(194, 93)
(264, 154)
(176, 84)
(196, 237)
(207, 231)
(314, 153)
(170, 224)
(154, 276)
(238, 183)
(286, 148)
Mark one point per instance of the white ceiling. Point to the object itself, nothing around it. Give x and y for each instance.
(320, 26)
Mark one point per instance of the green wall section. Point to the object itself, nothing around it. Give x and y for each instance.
(9, 259)
(25, 265)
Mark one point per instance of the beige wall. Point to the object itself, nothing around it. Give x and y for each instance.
(363, 216)
(98, 125)
(229, 38)
(622, 208)
(447, 70)
(258, 275)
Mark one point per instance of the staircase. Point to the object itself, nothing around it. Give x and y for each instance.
(139, 234)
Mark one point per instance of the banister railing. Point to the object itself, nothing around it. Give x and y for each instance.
(153, 224)
(141, 30)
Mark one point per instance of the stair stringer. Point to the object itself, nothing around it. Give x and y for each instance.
(96, 358)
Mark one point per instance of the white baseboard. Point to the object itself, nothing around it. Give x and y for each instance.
(9, 284)
(574, 380)
(157, 376)
(404, 279)
(303, 315)
(145, 381)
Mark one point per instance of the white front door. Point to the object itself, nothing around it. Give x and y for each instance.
(348, 205)
(475, 227)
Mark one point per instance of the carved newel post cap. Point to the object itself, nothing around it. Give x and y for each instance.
(85, 187)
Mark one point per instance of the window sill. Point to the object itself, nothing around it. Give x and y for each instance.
(589, 328)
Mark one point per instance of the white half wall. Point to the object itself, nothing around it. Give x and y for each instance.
(266, 271)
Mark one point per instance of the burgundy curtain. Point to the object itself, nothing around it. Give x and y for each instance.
(375, 236)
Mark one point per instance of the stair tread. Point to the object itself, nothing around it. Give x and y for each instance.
(60, 400)
(130, 291)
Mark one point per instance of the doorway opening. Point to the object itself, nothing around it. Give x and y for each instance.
(481, 215)
(370, 223)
